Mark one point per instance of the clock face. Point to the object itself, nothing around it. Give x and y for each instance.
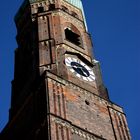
(80, 69)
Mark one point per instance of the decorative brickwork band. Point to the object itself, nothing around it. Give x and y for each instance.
(75, 130)
(119, 124)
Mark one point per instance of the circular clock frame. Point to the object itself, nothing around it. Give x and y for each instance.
(80, 69)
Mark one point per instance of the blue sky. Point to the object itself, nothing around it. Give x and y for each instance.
(115, 29)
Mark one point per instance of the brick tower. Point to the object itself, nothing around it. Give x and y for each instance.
(57, 91)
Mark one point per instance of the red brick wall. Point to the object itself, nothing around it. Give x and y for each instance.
(75, 108)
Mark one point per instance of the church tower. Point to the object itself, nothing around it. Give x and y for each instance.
(57, 91)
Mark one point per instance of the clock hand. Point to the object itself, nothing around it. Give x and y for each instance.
(85, 73)
(81, 68)
(78, 67)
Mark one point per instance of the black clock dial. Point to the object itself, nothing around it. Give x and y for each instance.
(80, 69)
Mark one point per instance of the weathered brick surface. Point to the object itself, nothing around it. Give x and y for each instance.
(85, 110)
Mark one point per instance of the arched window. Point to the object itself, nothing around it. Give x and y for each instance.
(73, 37)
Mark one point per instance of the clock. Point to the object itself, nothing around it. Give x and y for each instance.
(80, 69)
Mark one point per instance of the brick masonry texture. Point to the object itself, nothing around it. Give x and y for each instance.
(74, 106)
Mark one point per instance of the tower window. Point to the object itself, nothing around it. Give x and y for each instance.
(72, 37)
(40, 9)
